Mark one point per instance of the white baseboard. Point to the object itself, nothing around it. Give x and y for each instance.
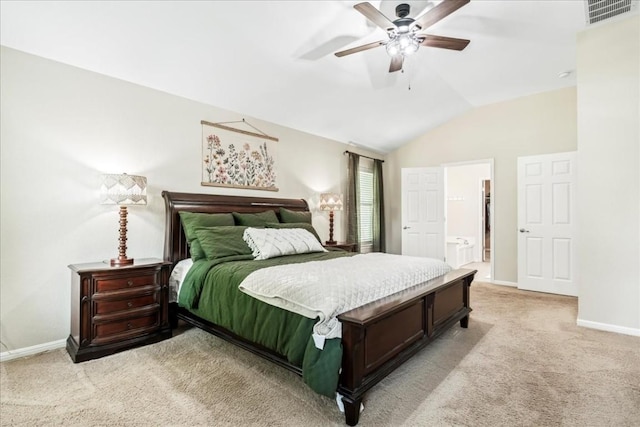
(28, 351)
(608, 327)
(504, 283)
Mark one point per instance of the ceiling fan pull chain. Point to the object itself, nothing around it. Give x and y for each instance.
(408, 79)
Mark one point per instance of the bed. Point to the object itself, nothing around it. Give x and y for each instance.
(376, 338)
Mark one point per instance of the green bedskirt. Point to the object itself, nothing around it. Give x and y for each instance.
(210, 291)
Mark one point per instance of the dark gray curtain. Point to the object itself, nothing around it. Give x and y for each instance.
(353, 200)
(378, 208)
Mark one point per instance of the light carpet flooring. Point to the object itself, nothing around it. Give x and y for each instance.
(483, 270)
(521, 362)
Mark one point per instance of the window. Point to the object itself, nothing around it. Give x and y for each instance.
(366, 205)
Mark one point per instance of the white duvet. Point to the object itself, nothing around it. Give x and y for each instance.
(328, 288)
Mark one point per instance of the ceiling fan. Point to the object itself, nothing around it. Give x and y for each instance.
(405, 33)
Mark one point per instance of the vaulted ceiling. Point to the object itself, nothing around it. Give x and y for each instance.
(274, 59)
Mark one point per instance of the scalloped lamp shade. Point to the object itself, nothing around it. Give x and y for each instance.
(123, 190)
(330, 202)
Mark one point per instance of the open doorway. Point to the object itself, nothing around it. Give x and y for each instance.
(486, 216)
(468, 216)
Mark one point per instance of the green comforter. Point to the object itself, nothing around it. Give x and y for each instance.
(210, 291)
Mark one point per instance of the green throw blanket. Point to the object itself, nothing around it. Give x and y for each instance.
(210, 291)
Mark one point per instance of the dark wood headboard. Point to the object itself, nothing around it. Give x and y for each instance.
(175, 243)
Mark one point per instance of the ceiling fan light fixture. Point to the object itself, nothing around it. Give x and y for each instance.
(393, 48)
(403, 44)
(411, 48)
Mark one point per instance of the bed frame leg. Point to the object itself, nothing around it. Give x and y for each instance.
(351, 410)
(173, 315)
(464, 322)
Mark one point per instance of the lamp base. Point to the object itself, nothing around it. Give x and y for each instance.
(117, 262)
(331, 241)
(122, 246)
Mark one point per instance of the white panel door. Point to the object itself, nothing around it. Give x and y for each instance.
(423, 212)
(547, 223)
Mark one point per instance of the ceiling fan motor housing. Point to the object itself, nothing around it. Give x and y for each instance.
(402, 10)
(404, 22)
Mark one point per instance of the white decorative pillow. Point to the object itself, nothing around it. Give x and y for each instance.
(177, 277)
(274, 242)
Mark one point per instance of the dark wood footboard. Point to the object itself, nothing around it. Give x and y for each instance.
(379, 337)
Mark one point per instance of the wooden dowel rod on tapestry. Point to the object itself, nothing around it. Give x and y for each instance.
(362, 155)
(245, 132)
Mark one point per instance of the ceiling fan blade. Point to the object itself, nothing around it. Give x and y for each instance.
(359, 48)
(443, 42)
(444, 9)
(374, 15)
(396, 63)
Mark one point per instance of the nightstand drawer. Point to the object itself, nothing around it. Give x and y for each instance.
(105, 285)
(103, 307)
(127, 328)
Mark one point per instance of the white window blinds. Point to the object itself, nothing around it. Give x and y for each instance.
(366, 204)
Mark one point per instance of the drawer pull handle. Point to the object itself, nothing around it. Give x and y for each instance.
(129, 304)
(128, 325)
(130, 283)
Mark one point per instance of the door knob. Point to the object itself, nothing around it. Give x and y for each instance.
(405, 227)
(522, 230)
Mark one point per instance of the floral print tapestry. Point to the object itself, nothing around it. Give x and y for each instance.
(237, 158)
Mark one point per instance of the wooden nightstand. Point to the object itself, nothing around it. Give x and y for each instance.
(114, 308)
(349, 247)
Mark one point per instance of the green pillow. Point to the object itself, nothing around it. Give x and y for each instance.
(288, 216)
(195, 250)
(224, 241)
(303, 225)
(255, 219)
(192, 220)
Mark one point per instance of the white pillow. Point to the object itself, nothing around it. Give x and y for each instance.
(274, 242)
(177, 277)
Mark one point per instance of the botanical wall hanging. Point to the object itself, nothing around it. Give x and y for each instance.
(237, 158)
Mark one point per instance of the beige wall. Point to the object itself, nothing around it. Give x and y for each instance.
(608, 175)
(61, 128)
(536, 124)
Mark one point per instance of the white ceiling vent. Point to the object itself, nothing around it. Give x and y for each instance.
(600, 10)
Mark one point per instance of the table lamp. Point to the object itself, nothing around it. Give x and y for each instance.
(123, 190)
(330, 202)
